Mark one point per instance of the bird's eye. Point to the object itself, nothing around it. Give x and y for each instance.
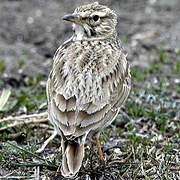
(95, 18)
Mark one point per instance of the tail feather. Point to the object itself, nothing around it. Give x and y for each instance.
(73, 154)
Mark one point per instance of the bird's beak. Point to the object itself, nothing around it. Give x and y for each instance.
(71, 17)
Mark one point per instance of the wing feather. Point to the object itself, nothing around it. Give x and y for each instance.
(81, 102)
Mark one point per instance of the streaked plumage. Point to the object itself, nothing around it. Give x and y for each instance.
(89, 82)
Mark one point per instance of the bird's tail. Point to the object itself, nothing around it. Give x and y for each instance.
(73, 154)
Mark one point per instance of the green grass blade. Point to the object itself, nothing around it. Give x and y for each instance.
(4, 98)
(32, 154)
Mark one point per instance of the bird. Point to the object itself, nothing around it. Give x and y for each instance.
(89, 82)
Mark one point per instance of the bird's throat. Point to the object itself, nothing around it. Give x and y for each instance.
(79, 32)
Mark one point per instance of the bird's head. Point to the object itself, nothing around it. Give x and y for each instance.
(92, 21)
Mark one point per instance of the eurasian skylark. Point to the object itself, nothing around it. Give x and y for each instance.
(89, 82)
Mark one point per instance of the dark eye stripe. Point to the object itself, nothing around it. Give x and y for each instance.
(93, 32)
(83, 18)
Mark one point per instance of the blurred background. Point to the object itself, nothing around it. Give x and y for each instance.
(147, 130)
(32, 30)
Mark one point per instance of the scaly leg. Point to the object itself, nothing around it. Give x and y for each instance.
(96, 137)
(100, 150)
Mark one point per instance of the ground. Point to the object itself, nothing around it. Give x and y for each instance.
(144, 140)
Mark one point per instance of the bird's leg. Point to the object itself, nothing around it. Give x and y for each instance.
(99, 148)
(47, 142)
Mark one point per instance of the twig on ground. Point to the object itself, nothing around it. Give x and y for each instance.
(121, 160)
(127, 158)
(53, 135)
(36, 173)
(33, 165)
(127, 170)
(45, 126)
(16, 177)
(24, 119)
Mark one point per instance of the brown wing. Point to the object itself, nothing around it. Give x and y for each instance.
(80, 101)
